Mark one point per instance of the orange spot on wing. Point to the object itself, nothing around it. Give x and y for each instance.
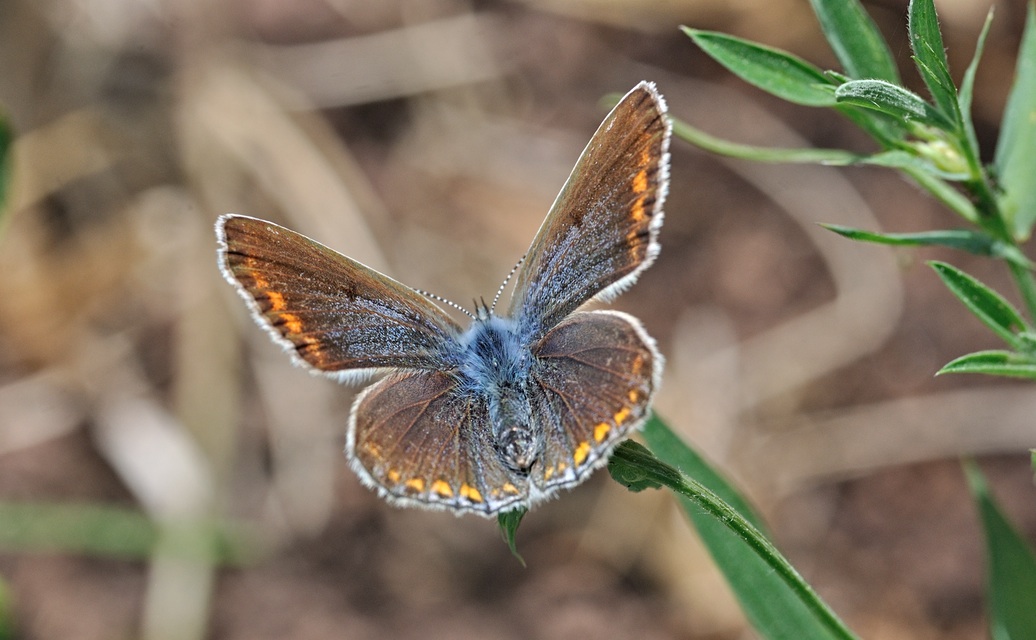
(582, 451)
(442, 488)
(292, 323)
(470, 492)
(417, 484)
(277, 302)
(392, 476)
(622, 415)
(601, 431)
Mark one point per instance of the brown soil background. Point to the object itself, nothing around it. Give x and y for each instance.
(428, 140)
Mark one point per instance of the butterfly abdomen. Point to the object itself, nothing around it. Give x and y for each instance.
(495, 366)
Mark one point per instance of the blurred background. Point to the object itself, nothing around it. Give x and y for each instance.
(428, 140)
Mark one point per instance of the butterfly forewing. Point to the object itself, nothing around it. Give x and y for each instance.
(418, 440)
(597, 372)
(602, 230)
(331, 312)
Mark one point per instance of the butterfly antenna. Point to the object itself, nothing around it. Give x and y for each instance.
(503, 285)
(449, 303)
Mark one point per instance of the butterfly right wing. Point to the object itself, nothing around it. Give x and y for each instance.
(332, 314)
(419, 440)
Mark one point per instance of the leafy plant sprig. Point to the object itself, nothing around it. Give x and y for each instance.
(931, 141)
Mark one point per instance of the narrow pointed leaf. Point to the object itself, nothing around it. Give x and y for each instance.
(774, 597)
(778, 72)
(967, 85)
(930, 55)
(508, 523)
(891, 99)
(993, 363)
(899, 159)
(1011, 566)
(975, 242)
(1016, 147)
(855, 40)
(987, 305)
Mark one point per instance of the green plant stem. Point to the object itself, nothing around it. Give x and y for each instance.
(1027, 286)
(657, 472)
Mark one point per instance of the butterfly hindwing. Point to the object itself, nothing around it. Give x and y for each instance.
(419, 440)
(596, 373)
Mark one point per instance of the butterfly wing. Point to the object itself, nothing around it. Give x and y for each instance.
(333, 314)
(596, 373)
(602, 230)
(420, 442)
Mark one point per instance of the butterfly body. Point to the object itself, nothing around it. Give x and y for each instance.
(495, 365)
(518, 406)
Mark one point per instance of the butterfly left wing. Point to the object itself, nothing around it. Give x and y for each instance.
(332, 314)
(419, 440)
(602, 230)
(597, 372)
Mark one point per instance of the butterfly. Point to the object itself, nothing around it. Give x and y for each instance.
(505, 413)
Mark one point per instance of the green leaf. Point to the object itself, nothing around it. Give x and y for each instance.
(994, 363)
(774, 597)
(987, 305)
(508, 523)
(778, 72)
(1016, 148)
(855, 39)
(967, 86)
(899, 159)
(891, 99)
(930, 56)
(975, 242)
(1011, 567)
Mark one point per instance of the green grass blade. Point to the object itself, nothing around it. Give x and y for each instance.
(778, 72)
(987, 305)
(672, 450)
(775, 598)
(102, 530)
(1011, 567)
(6, 144)
(930, 56)
(6, 612)
(993, 363)
(855, 40)
(1016, 148)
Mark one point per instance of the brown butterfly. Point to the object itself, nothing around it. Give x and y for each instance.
(506, 412)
